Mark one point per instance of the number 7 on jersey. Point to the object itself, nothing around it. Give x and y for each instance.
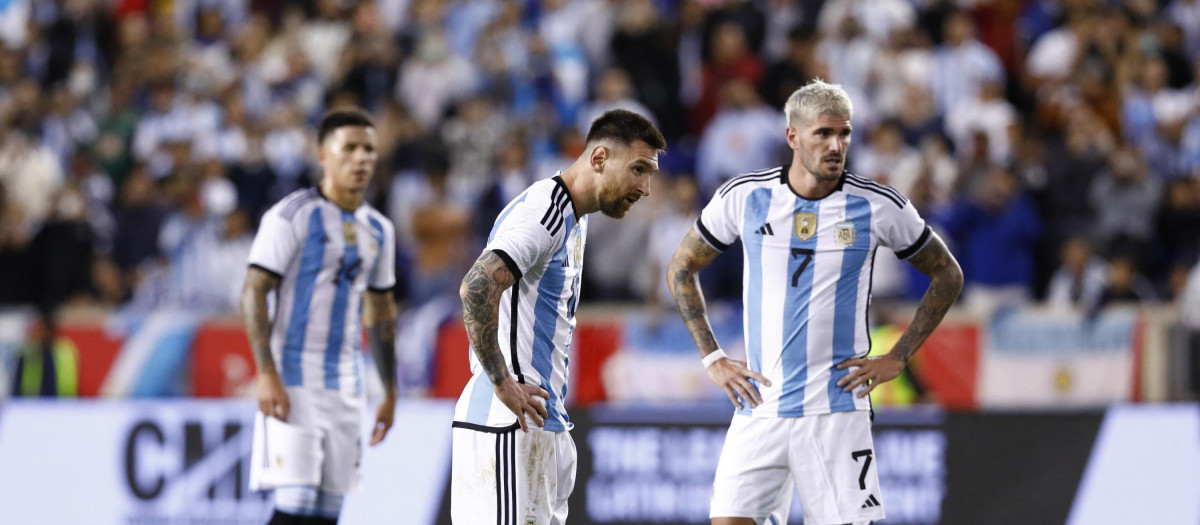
(808, 254)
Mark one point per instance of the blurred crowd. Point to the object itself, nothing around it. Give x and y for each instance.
(1054, 144)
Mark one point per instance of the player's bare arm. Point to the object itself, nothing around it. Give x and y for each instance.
(683, 279)
(945, 283)
(380, 319)
(480, 292)
(272, 398)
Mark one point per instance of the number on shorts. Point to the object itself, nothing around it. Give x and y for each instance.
(862, 478)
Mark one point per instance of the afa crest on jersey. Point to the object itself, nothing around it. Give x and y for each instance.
(844, 233)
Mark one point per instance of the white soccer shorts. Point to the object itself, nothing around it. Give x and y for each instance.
(509, 477)
(829, 458)
(320, 444)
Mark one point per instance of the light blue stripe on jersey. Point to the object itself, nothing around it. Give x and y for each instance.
(347, 272)
(358, 354)
(358, 366)
(795, 315)
(481, 400)
(758, 205)
(504, 215)
(306, 281)
(377, 231)
(545, 324)
(858, 211)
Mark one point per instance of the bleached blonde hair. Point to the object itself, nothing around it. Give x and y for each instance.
(815, 99)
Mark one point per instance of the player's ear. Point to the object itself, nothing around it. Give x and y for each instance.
(320, 153)
(598, 156)
(793, 137)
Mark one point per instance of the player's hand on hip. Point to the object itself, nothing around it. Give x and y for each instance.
(272, 397)
(869, 371)
(385, 416)
(522, 399)
(734, 378)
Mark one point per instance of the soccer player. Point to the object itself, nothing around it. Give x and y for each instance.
(329, 257)
(519, 303)
(809, 231)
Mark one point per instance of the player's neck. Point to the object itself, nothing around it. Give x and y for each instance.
(582, 187)
(807, 185)
(344, 199)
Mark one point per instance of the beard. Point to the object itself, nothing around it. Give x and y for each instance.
(819, 170)
(613, 203)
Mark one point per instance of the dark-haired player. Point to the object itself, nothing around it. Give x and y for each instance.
(328, 256)
(514, 461)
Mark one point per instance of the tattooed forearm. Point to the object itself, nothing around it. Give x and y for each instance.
(480, 292)
(946, 281)
(381, 335)
(254, 313)
(683, 279)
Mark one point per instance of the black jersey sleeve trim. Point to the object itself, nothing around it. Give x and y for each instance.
(274, 273)
(509, 262)
(916, 247)
(709, 237)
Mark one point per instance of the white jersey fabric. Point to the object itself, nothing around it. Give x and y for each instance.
(326, 257)
(541, 241)
(807, 279)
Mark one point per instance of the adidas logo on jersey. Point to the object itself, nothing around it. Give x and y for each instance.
(765, 230)
(871, 502)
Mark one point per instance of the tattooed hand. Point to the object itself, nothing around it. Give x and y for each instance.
(945, 283)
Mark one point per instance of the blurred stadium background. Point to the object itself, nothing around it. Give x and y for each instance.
(1054, 144)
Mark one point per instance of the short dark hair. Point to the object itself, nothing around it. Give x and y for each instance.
(625, 126)
(337, 118)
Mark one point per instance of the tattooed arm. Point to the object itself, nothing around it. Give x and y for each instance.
(272, 398)
(683, 279)
(380, 319)
(945, 283)
(480, 292)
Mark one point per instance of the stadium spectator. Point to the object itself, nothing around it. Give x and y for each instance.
(994, 232)
(962, 65)
(887, 159)
(1126, 197)
(742, 137)
(1125, 283)
(791, 70)
(1080, 280)
(170, 87)
(441, 230)
(731, 59)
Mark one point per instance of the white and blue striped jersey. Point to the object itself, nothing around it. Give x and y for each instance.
(325, 257)
(541, 240)
(807, 279)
